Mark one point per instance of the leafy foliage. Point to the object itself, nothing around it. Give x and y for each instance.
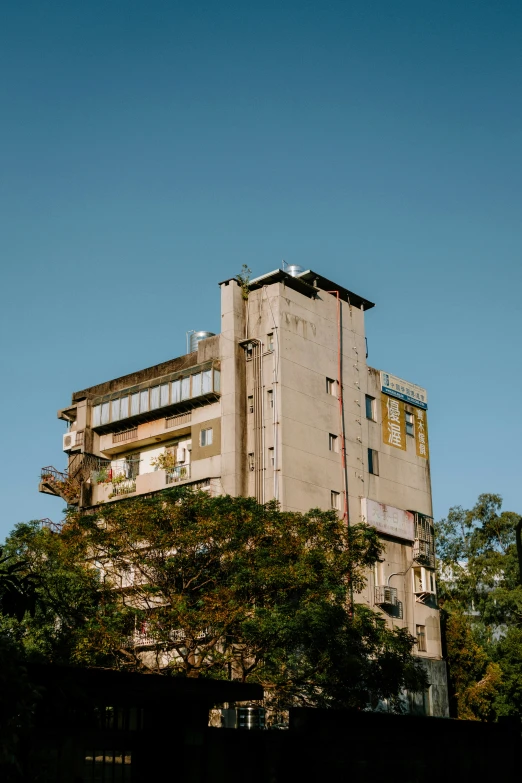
(482, 598)
(192, 585)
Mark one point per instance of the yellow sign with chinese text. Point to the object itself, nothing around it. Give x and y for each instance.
(393, 422)
(421, 433)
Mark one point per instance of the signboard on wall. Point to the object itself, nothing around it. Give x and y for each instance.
(404, 390)
(389, 520)
(393, 422)
(421, 434)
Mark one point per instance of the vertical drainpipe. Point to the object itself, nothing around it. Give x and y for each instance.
(344, 464)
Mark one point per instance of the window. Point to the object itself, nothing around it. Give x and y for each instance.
(270, 341)
(105, 413)
(154, 397)
(370, 407)
(249, 348)
(270, 398)
(176, 391)
(331, 387)
(332, 442)
(135, 404)
(217, 380)
(115, 410)
(205, 437)
(107, 765)
(335, 500)
(206, 381)
(373, 462)
(144, 400)
(251, 463)
(421, 638)
(271, 458)
(164, 394)
(196, 385)
(124, 408)
(251, 404)
(185, 388)
(410, 424)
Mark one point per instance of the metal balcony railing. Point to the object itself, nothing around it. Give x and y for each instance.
(178, 474)
(146, 639)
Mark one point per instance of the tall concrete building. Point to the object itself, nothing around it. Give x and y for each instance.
(281, 404)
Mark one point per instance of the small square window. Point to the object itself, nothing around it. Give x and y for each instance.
(410, 424)
(271, 458)
(370, 407)
(333, 440)
(421, 638)
(206, 437)
(270, 398)
(335, 500)
(251, 404)
(270, 341)
(331, 387)
(373, 462)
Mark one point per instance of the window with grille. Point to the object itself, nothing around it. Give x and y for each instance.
(421, 638)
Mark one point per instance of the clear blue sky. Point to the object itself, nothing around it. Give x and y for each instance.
(150, 148)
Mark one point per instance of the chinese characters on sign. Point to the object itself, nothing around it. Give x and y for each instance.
(393, 422)
(421, 434)
(404, 390)
(387, 519)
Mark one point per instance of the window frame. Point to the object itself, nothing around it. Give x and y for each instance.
(335, 500)
(373, 462)
(333, 443)
(204, 439)
(331, 387)
(420, 635)
(369, 403)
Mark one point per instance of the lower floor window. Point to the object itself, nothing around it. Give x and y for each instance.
(421, 638)
(107, 766)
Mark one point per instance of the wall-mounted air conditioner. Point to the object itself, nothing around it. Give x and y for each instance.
(386, 595)
(180, 455)
(70, 440)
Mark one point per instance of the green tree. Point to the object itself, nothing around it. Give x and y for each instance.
(73, 614)
(227, 587)
(481, 594)
(221, 587)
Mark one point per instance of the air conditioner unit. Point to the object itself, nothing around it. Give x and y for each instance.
(385, 595)
(69, 440)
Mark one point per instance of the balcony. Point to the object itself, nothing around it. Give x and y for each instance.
(172, 638)
(169, 396)
(178, 474)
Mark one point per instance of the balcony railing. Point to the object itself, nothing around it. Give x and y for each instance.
(178, 474)
(145, 639)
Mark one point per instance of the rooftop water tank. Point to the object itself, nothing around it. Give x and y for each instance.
(195, 338)
(294, 270)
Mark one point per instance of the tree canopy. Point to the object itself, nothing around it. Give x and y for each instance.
(481, 597)
(193, 585)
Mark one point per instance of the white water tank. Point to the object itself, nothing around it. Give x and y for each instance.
(294, 270)
(196, 337)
